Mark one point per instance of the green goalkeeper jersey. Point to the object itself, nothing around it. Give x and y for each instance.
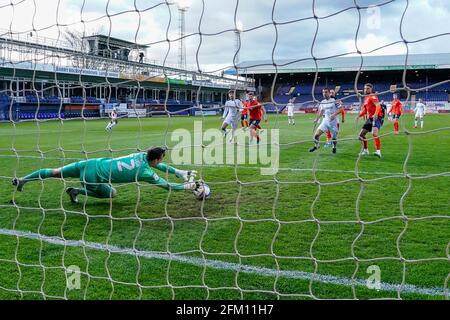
(134, 168)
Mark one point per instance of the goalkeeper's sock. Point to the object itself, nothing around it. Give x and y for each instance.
(74, 192)
(87, 192)
(103, 193)
(415, 124)
(38, 175)
(421, 124)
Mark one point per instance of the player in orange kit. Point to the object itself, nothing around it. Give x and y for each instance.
(244, 114)
(397, 111)
(256, 112)
(373, 114)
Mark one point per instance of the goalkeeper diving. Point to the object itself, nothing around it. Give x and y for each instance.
(98, 175)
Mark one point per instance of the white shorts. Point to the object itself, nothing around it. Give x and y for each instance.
(419, 114)
(290, 114)
(232, 120)
(326, 125)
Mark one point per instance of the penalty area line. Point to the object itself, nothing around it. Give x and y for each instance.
(228, 266)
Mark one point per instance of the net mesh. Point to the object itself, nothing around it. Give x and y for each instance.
(272, 237)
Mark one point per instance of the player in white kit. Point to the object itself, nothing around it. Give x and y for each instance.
(329, 110)
(231, 114)
(113, 121)
(420, 110)
(339, 104)
(290, 112)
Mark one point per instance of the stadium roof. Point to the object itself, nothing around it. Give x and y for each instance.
(115, 41)
(342, 64)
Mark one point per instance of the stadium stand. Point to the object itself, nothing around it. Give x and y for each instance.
(303, 93)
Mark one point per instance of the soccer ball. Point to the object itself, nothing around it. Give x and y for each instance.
(203, 191)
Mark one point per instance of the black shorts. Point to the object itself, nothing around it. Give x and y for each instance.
(370, 123)
(244, 117)
(255, 122)
(396, 116)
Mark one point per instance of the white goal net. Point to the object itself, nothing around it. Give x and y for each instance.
(83, 80)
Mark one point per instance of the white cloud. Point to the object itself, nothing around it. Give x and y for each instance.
(371, 43)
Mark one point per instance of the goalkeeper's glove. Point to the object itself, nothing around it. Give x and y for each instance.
(192, 185)
(186, 175)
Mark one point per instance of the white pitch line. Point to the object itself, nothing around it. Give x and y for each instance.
(230, 166)
(216, 264)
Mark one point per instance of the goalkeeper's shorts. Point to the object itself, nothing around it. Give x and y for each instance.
(86, 171)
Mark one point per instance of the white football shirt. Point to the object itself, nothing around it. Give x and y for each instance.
(232, 108)
(420, 108)
(329, 107)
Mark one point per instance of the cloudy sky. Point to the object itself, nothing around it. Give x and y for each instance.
(282, 28)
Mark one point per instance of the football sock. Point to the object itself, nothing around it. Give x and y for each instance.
(39, 174)
(101, 193)
(396, 126)
(377, 143)
(366, 145)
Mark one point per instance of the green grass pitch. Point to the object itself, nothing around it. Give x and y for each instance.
(291, 223)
